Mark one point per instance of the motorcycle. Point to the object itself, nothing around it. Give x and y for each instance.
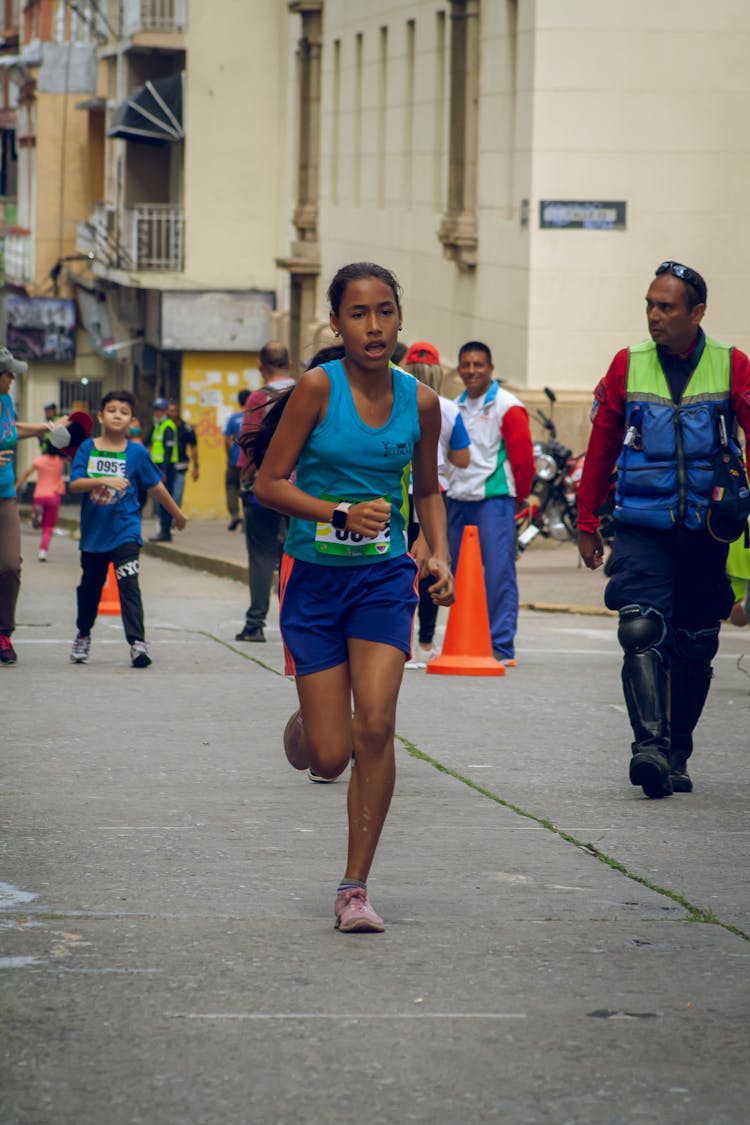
(552, 509)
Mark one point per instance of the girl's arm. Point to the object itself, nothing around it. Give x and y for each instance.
(31, 429)
(38, 429)
(427, 498)
(305, 409)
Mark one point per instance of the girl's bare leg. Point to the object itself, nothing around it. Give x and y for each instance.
(325, 700)
(376, 671)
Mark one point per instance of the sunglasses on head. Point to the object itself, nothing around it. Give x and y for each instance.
(684, 273)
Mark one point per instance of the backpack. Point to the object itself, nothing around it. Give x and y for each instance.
(729, 502)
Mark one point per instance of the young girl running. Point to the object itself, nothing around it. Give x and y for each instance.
(347, 583)
(49, 490)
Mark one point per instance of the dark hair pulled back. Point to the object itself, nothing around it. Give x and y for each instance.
(360, 271)
(256, 444)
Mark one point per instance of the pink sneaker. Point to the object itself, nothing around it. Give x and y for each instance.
(294, 742)
(7, 652)
(354, 913)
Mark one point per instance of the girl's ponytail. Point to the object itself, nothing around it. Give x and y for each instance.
(255, 444)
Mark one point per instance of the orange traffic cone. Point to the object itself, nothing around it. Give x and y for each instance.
(467, 649)
(109, 602)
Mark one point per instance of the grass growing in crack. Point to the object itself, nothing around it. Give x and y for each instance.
(225, 644)
(695, 913)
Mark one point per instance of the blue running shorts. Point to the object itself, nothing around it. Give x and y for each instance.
(321, 607)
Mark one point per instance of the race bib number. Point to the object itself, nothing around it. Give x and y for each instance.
(103, 464)
(106, 465)
(330, 540)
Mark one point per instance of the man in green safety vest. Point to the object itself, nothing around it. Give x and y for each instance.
(162, 443)
(664, 412)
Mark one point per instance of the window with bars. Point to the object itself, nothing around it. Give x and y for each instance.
(75, 395)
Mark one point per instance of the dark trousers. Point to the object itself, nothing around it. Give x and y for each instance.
(10, 562)
(681, 576)
(232, 488)
(679, 573)
(265, 535)
(165, 519)
(427, 611)
(94, 566)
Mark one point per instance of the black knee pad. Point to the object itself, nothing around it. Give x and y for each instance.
(641, 628)
(696, 648)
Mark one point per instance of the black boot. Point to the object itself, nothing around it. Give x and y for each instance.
(690, 686)
(645, 683)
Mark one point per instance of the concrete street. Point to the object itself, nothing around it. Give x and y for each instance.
(558, 949)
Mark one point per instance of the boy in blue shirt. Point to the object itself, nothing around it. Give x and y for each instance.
(112, 472)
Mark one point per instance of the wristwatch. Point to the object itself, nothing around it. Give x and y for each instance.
(338, 519)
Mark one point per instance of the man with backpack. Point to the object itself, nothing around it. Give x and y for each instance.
(265, 530)
(665, 412)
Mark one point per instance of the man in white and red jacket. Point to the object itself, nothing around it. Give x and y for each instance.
(484, 494)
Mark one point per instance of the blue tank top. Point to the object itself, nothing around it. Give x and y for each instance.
(8, 438)
(345, 459)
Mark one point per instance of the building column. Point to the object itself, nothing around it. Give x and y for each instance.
(303, 261)
(458, 229)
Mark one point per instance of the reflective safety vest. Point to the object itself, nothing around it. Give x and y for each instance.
(665, 467)
(157, 442)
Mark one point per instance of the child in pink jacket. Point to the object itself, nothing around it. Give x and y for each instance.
(50, 487)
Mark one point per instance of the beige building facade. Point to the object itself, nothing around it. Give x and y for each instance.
(524, 165)
(173, 163)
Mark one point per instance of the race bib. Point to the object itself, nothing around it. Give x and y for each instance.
(104, 464)
(330, 540)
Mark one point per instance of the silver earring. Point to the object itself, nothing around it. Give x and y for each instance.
(335, 333)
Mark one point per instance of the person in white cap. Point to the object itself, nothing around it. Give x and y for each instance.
(11, 432)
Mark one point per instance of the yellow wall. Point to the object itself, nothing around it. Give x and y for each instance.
(211, 382)
(61, 182)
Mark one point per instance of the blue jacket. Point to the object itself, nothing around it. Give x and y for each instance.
(665, 468)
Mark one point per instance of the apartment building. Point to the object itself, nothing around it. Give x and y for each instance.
(193, 205)
(523, 166)
(176, 201)
(47, 60)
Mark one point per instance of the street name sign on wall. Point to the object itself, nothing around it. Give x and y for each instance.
(582, 214)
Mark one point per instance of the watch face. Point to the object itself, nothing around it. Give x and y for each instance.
(339, 519)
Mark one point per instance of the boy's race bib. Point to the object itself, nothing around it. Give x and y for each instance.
(102, 463)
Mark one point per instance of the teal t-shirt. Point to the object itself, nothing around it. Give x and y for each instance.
(345, 459)
(8, 439)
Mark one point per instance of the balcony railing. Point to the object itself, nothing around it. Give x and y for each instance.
(155, 236)
(99, 235)
(154, 15)
(152, 237)
(19, 257)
